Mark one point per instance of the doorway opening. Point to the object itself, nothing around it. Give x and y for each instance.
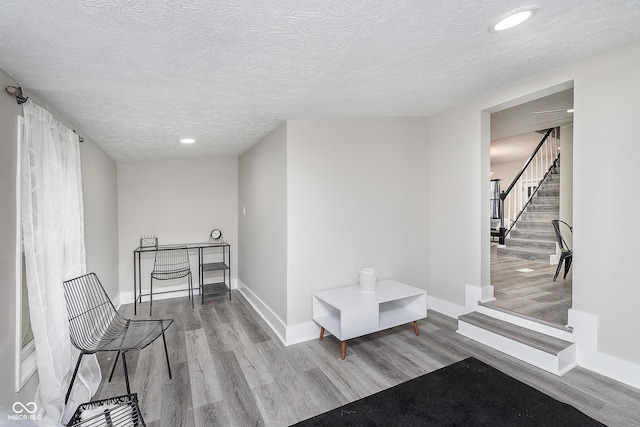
(523, 261)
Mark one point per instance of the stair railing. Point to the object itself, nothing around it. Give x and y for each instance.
(515, 199)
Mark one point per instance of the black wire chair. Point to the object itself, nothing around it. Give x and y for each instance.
(121, 411)
(566, 254)
(95, 325)
(171, 263)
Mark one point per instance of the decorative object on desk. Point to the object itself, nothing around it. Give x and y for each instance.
(216, 236)
(148, 242)
(368, 278)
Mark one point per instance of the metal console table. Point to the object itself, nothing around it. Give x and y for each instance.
(205, 289)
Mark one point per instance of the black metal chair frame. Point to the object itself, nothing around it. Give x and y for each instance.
(118, 411)
(171, 263)
(95, 325)
(566, 254)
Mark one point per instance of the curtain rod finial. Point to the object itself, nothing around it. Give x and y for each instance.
(17, 92)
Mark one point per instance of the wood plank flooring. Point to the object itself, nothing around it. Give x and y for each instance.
(229, 369)
(534, 293)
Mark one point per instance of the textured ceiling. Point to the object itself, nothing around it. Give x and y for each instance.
(136, 76)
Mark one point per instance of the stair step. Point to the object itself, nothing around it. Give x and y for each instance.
(548, 192)
(546, 200)
(537, 340)
(553, 329)
(540, 226)
(540, 207)
(547, 352)
(539, 216)
(537, 245)
(542, 235)
(520, 253)
(551, 185)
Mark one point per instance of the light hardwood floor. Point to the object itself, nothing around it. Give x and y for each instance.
(531, 293)
(229, 369)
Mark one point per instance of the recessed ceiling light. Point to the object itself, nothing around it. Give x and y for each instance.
(187, 140)
(513, 18)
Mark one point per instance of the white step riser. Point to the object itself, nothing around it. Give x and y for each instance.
(555, 364)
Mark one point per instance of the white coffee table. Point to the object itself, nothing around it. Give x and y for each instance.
(349, 312)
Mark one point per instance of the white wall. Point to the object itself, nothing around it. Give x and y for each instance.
(606, 135)
(100, 195)
(506, 171)
(458, 187)
(179, 202)
(606, 89)
(357, 197)
(262, 206)
(566, 181)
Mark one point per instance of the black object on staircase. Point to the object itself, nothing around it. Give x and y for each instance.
(566, 254)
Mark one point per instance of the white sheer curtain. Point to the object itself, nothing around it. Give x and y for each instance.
(53, 231)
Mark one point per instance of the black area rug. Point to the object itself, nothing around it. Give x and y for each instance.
(466, 393)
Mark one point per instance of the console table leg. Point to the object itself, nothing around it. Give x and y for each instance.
(321, 333)
(343, 349)
(415, 327)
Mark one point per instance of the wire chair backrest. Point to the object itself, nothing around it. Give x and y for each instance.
(91, 312)
(559, 239)
(171, 261)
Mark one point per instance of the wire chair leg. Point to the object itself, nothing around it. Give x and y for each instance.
(166, 353)
(73, 378)
(126, 373)
(567, 265)
(555, 276)
(191, 289)
(151, 296)
(115, 363)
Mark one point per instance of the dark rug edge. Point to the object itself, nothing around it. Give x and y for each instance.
(499, 404)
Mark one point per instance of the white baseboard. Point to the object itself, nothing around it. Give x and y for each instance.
(445, 307)
(271, 318)
(116, 301)
(302, 332)
(473, 295)
(585, 329)
(289, 335)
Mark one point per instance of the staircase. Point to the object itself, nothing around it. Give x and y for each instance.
(546, 346)
(532, 237)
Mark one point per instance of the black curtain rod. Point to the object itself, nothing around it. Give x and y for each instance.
(17, 92)
(81, 139)
(21, 99)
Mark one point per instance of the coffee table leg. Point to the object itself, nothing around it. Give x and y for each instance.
(415, 327)
(343, 349)
(321, 333)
